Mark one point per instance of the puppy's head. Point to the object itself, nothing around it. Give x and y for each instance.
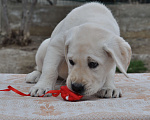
(91, 53)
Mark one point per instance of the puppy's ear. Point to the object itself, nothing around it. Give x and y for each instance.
(120, 51)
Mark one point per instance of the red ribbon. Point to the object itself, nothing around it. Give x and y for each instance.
(15, 90)
(66, 94)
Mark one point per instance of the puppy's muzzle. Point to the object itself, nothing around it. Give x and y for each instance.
(78, 88)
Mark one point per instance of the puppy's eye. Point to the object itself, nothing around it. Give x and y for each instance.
(71, 62)
(93, 64)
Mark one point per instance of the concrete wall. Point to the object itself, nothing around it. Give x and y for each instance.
(134, 20)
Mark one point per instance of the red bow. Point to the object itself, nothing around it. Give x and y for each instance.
(66, 94)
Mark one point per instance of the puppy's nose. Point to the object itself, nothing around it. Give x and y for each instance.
(78, 88)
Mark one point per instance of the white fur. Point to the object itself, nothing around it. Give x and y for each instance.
(88, 32)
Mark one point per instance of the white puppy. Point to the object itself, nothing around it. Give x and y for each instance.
(84, 48)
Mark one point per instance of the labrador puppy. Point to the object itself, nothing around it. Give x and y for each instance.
(84, 48)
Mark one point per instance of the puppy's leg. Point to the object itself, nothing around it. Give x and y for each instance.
(34, 76)
(109, 90)
(49, 74)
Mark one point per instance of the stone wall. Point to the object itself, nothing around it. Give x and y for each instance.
(134, 20)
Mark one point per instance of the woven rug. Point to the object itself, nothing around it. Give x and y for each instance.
(134, 104)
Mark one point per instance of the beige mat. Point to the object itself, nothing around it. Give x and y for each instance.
(135, 103)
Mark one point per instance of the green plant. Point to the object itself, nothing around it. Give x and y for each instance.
(136, 66)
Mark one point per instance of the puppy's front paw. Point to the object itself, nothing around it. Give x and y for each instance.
(36, 91)
(109, 93)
